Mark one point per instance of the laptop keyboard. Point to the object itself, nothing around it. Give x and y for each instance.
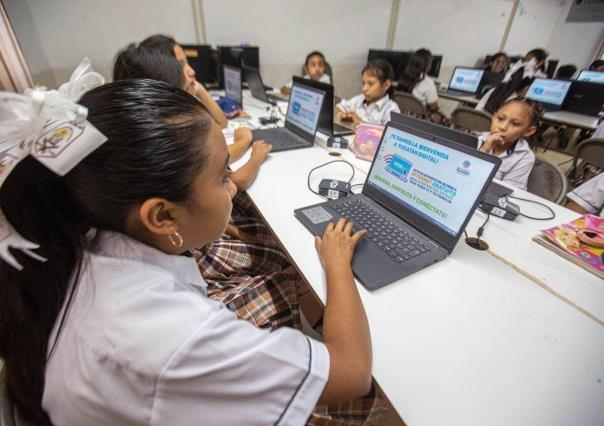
(277, 137)
(390, 238)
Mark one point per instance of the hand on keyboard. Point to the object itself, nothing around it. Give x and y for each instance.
(337, 245)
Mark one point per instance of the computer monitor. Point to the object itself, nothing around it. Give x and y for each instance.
(203, 59)
(392, 56)
(466, 79)
(237, 56)
(448, 133)
(326, 117)
(591, 76)
(435, 66)
(232, 83)
(304, 109)
(585, 97)
(549, 93)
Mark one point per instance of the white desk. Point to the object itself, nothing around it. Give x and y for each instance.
(470, 100)
(579, 121)
(468, 340)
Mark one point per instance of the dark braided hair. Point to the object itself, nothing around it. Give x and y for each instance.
(536, 113)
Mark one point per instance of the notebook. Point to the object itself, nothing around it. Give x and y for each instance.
(366, 140)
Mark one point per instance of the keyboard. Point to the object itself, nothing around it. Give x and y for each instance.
(453, 92)
(338, 129)
(397, 243)
(279, 138)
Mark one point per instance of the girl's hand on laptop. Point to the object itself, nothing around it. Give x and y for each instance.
(337, 245)
(260, 151)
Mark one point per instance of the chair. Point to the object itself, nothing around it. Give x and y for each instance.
(547, 181)
(591, 151)
(410, 105)
(465, 119)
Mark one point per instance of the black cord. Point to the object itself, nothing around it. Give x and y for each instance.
(481, 229)
(323, 165)
(553, 216)
(356, 184)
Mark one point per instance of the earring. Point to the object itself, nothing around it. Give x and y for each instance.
(176, 239)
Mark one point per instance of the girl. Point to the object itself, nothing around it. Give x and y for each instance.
(374, 104)
(533, 65)
(245, 268)
(315, 68)
(515, 87)
(415, 80)
(168, 46)
(512, 124)
(498, 63)
(115, 328)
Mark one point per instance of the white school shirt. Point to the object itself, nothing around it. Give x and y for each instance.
(377, 112)
(325, 78)
(515, 167)
(143, 345)
(590, 195)
(425, 91)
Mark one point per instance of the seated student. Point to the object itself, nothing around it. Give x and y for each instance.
(374, 104)
(245, 268)
(533, 65)
(315, 68)
(168, 46)
(415, 80)
(597, 65)
(515, 87)
(514, 122)
(589, 197)
(565, 72)
(498, 63)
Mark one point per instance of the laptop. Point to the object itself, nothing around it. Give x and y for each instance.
(464, 81)
(301, 121)
(548, 92)
(585, 97)
(232, 84)
(326, 119)
(591, 76)
(466, 139)
(257, 87)
(416, 202)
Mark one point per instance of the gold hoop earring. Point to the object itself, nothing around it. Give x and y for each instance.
(176, 239)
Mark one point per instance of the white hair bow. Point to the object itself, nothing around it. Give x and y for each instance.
(52, 128)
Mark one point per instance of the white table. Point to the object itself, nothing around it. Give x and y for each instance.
(469, 340)
(572, 119)
(465, 99)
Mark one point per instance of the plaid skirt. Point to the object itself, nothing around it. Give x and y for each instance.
(366, 411)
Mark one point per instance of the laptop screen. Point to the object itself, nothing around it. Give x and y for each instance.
(591, 76)
(436, 182)
(232, 84)
(548, 91)
(466, 79)
(304, 108)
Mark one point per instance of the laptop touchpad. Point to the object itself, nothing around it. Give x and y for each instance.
(317, 215)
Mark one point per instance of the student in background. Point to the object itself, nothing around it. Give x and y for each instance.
(533, 65)
(168, 46)
(114, 327)
(315, 68)
(512, 124)
(498, 63)
(374, 104)
(597, 65)
(415, 80)
(589, 197)
(566, 72)
(515, 87)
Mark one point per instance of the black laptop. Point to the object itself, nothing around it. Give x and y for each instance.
(548, 92)
(254, 82)
(301, 120)
(326, 122)
(465, 139)
(232, 84)
(585, 97)
(464, 81)
(416, 202)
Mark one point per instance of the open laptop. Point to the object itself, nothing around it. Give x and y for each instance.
(326, 119)
(585, 97)
(464, 81)
(416, 202)
(548, 92)
(465, 139)
(232, 84)
(257, 87)
(301, 120)
(591, 76)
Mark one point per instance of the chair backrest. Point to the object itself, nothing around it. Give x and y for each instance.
(465, 118)
(590, 150)
(547, 181)
(409, 104)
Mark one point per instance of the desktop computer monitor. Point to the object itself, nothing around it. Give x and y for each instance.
(203, 59)
(238, 56)
(435, 66)
(392, 56)
(585, 97)
(549, 93)
(591, 76)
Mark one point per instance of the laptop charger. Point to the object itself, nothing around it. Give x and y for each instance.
(337, 142)
(499, 206)
(268, 120)
(334, 189)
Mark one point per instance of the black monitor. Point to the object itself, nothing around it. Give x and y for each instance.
(397, 59)
(204, 61)
(325, 124)
(584, 97)
(239, 56)
(435, 66)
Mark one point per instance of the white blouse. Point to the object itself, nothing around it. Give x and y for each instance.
(515, 167)
(590, 195)
(143, 345)
(377, 112)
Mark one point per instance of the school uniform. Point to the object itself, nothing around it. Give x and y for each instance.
(141, 344)
(516, 163)
(377, 112)
(590, 195)
(483, 101)
(425, 91)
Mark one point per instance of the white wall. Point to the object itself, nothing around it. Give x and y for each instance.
(287, 30)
